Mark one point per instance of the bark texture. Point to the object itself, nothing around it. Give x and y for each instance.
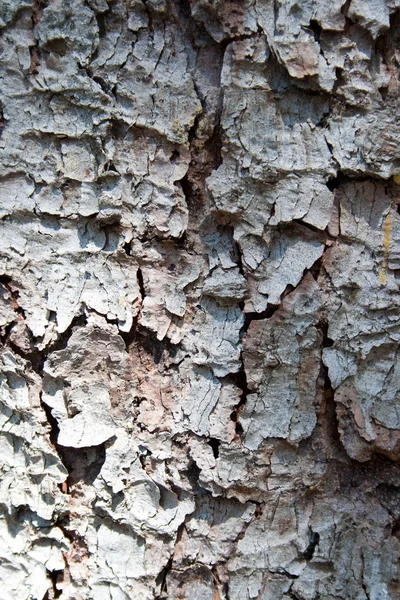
(200, 259)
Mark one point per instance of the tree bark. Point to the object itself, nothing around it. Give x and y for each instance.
(200, 257)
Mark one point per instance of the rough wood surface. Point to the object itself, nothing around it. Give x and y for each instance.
(199, 260)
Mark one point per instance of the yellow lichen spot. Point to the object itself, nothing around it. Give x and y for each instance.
(179, 131)
(396, 178)
(386, 244)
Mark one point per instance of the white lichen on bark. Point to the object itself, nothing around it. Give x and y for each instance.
(200, 257)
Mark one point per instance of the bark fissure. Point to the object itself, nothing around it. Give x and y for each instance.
(199, 299)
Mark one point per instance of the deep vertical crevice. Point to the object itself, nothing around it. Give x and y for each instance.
(53, 423)
(161, 579)
(141, 283)
(2, 120)
(129, 336)
(313, 543)
(38, 7)
(205, 134)
(55, 577)
(240, 380)
(214, 445)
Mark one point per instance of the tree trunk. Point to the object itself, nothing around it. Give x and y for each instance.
(200, 257)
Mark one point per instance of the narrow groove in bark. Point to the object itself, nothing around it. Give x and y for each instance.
(240, 380)
(129, 336)
(343, 178)
(56, 577)
(259, 316)
(161, 580)
(149, 13)
(204, 138)
(214, 445)
(54, 428)
(331, 420)
(314, 542)
(38, 7)
(2, 120)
